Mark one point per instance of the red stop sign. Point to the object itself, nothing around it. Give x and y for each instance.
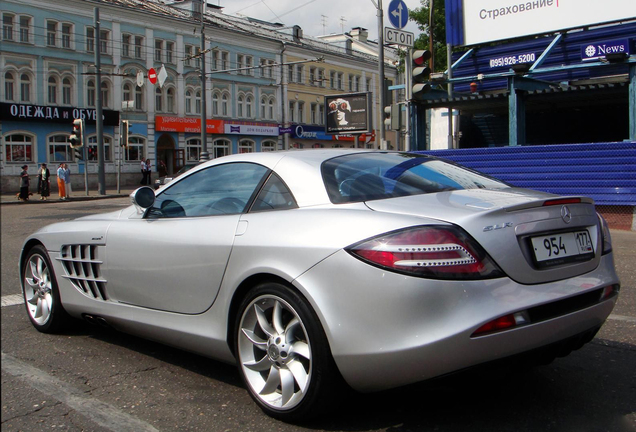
(152, 76)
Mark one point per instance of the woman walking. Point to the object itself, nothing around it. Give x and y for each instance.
(61, 189)
(44, 182)
(24, 184)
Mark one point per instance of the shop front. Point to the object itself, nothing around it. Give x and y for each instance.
(310, 136)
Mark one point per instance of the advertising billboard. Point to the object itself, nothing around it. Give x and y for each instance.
(348, 113)
(494, 20)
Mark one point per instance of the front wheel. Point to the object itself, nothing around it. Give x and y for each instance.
(41, 295)
(282, 353)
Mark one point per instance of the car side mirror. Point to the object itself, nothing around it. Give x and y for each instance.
(143, 198)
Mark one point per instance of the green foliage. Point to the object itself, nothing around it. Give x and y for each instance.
(421, 17)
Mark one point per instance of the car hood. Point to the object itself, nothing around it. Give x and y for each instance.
(503, 221)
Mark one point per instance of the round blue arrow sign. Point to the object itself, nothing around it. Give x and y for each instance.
(398, 14)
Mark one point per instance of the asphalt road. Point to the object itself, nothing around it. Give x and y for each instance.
(93, 379)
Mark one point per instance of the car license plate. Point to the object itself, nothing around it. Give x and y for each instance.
(562, 248)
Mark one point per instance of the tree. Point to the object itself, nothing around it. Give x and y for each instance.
(421, 17)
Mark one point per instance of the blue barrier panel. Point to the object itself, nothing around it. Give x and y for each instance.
(606, 172)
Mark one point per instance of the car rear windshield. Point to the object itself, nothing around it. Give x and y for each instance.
(371, 176)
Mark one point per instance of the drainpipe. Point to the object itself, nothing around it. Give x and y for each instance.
(283, 96)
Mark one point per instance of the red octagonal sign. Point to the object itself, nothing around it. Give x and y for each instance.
(152, 76)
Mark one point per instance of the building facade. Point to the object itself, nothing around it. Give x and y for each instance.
(49, 78)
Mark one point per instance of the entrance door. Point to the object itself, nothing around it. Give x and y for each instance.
(165, 155)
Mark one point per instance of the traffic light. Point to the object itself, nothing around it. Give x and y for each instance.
(76, 139)
(421, 73)
(79, 153)
(125, 131)
(392, 117)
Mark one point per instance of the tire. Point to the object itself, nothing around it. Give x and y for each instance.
(283, 355)
(41, 294)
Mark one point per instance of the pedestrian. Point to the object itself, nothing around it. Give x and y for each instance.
(67, 181)
(61, 189)
(44, 182)
(24, 184)
(144, 173)
(148, 172)
(163, 169)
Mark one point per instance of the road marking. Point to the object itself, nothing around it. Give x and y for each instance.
(12, 300)
(105, 415)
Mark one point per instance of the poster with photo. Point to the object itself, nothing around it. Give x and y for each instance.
(348, 113)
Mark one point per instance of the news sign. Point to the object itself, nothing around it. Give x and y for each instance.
(494, 20)
(348, 113)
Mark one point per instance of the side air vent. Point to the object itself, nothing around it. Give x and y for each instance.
(83, 268)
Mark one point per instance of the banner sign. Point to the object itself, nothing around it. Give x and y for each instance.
(187, 124)
(494, 20)
(54, 114)
(597, 50)
(248, 128)
(348, 113)
(317, 133)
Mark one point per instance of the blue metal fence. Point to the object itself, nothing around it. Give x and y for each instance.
(606, 172)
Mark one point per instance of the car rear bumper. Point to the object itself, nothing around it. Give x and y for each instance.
(387, 330)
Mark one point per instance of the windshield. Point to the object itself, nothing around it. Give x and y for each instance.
(370, 176)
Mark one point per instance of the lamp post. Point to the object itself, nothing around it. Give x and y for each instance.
(204, 156)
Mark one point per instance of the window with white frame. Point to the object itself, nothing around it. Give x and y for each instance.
(158, 99)
(135, 150)
(139, 98)
(249, 106)
(321, 77)
(105, 89)
(139, 47)
(225, 60)
(292, 111)
(193, 149)
(340, 80)
(215, 59)
(9, 86)
(92, 148)
(290, 73)
(321, 114)
(59, 150)
(240, 102)
(249, 62)
(368, 84)
(104, 45)
(126, 41)
(244, 62)
(240, 62)
(25, 29)
(170, 58)
(67, 35)
(51, 33)
(313, 78)
(197, 59)
(170, 95)
(67, 91)
(158, 50)
(225, 105)
(19, 148)
(25, 88)
(90, 93)
(52, 90)
(267, 146)
(221, 147)
(313, 113)
(90, 39)
(215, 104)
(197, 102)
(264, 107)
(246, 146)
(189, 50)
(189, 96)
(332, 79)
(300, 74)
(127, 92)
(301, 112)
(271, 109)
(7, 26)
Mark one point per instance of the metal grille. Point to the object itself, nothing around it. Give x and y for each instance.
(83, 268)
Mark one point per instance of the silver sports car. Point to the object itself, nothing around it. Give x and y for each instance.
(312, 268)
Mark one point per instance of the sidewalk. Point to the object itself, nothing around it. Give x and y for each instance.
(76, 195)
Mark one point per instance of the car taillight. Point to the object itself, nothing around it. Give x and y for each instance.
(438, 252)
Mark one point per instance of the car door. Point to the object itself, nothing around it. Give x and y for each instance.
(174, 258)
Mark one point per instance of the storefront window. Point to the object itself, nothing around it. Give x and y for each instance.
(193, 150)
(59, 150)
(267, 146)
(135, 150)
(221, 147)
(246, 146)
(92, 148)
(18, 148)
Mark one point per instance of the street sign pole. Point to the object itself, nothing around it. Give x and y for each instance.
(383, 145)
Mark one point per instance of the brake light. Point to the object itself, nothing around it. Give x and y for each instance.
(605, 235)
(562, 201)
(438, 252)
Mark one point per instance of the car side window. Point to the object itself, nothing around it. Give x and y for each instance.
(218, 190)
(274, 196)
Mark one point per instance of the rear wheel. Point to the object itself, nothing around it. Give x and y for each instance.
(41, 294)
(282, 353)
